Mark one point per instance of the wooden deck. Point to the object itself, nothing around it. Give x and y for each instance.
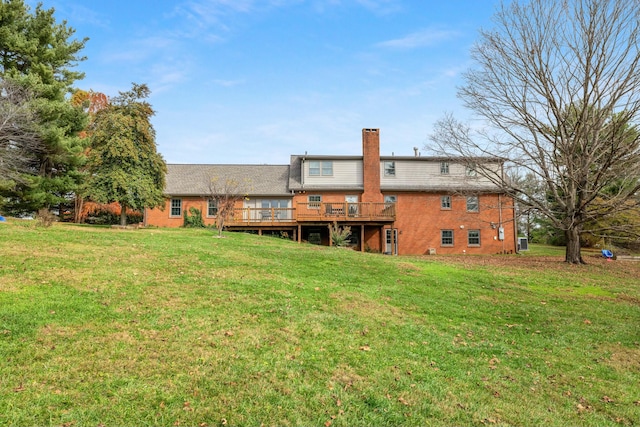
(313, 212)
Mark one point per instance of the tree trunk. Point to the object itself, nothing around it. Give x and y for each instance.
(123, 214)
(573, 254)
(220, 224)
(79, 203)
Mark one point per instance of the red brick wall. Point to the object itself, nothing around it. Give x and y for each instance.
(162, 218)
(419, 222)
(420, 219)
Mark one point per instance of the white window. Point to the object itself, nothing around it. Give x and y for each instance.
(471, 171)
(314, 201)
(212, 208)
(176, 207)
(473, 237)
(314, 168)
(389, 168)
(444, 168)
(472, 204)
(446, 237)
(445, 202)
(391, 199)
(317, 168)
(327, 168)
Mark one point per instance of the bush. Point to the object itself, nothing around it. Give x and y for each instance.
(45, 218)
(194, 220)
(339, 235)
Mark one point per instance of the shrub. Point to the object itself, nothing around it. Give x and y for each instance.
(45, 218)
(339, 235)
(195, 219)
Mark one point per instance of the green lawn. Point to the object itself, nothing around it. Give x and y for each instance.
(177, 327)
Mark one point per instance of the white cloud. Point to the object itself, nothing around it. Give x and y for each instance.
(228, 83)
(427, 37)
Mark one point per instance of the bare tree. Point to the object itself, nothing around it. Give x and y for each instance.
(224, 193)
(557, 84)
(19, 142)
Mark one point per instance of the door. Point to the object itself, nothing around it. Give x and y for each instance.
(274, 210)
(352, 205)
(388, 247)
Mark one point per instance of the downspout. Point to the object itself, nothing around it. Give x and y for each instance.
(500, 225)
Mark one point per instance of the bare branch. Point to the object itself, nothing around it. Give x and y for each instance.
(19, 142)
(557, 85)
(225, 193)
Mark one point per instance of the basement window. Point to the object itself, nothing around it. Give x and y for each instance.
(473, 237)
(446, 237)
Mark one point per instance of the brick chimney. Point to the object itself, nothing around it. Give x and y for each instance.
(371, 165)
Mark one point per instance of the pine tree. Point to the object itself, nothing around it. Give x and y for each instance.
(38, 53)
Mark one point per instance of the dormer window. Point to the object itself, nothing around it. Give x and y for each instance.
(444, 168)
(318, 168)
(389, 168)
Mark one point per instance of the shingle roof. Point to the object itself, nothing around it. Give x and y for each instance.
(193, 180)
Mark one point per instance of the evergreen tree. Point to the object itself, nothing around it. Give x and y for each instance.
(124, 165)
(38, 53)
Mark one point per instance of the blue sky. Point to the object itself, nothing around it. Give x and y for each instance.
(254, 81)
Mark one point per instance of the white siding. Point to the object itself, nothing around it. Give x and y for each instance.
(426, 173)
(346, 173)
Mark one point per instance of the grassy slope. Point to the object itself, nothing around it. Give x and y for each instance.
(167, 327)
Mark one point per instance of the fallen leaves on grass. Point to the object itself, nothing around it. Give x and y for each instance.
(493, 362)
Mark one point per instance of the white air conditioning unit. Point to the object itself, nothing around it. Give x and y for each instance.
(431, 251)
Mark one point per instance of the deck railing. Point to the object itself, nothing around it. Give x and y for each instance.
(314, 211)
(345, 211)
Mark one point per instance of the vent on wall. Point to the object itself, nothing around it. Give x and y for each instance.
(431, 251)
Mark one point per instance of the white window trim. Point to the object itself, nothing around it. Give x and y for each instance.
(389, 171)
(442, 207)
(209, 202)
(314, 204)
(171, 207)
(444, 168)
(323, 165)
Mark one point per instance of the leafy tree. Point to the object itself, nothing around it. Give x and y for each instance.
(38, 53)
(124, 164)
(91, 102)
(557, 84)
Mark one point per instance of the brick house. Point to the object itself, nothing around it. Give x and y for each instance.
(410, 205)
